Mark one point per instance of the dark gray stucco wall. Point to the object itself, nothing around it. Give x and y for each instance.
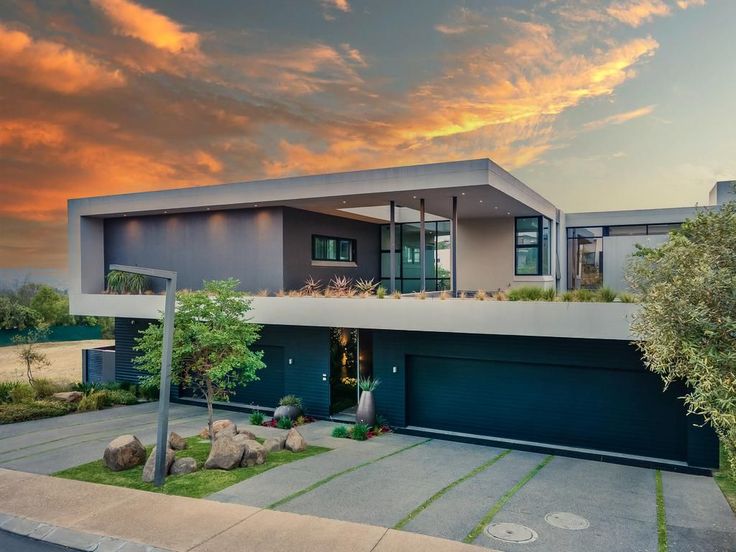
(242, 243)
(299, 226)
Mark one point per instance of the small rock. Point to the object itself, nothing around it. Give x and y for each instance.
(249, 434)
(68, 396)
(217, 426)
(124, 453)
(254, 454)
(183, 465)
(177, 442)
(225, 454)
(149, 470)
(275, 444)
(294, 441)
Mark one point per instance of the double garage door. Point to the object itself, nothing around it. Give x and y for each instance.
(585, 407)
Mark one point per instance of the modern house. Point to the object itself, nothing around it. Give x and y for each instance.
(559, 376)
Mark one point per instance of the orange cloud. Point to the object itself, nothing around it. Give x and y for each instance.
(147, 25)
(619, 118)
(52, 66)
(684, 4)
(636, 12)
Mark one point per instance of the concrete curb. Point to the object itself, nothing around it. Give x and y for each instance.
(76, 540)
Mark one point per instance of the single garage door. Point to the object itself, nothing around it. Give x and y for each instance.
(603, 409)
(270, 387)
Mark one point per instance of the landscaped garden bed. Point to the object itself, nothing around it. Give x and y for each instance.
(197, 484)
(360, 432)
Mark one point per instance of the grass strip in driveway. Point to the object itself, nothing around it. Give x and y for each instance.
(195, 485)
(501, 502)
(661, 515)
(321, 482)
(424, 505)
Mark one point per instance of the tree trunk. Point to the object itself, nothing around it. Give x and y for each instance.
(209, 396)
(29, 373)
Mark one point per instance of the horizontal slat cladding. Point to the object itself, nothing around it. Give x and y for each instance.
(270, 385)
(573, 392)
(94, 366)
(126, 331)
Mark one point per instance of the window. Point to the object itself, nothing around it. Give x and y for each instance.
(325, 248)
(533, 246)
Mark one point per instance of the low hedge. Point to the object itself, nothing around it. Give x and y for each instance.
(33, 410)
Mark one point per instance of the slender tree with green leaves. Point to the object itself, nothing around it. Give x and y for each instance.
(212, 344)
(686, 326)
(29, 352)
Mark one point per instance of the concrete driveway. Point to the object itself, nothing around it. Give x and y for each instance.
(433, 487)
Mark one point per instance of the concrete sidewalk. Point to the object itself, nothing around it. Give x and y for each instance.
(100, 517)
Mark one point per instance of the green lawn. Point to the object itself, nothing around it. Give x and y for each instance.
(726, 480)
(196, 485)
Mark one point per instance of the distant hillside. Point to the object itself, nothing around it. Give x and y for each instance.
(13, 278)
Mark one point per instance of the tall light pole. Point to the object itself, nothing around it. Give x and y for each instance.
(163, 398)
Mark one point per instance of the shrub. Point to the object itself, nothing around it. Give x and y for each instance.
(584, 295)
(381, 421)
(291, 400)
(119, 396)
(44, 388)
(500, 296)
(526, 293)
(284, 423)
(481, 295)
(360, 432)
(94, 401)
(369, 384)
(396, 294)
(628, 298)
(568, 296)
(256, 417)
(312, 286)
(605, 295)
(341, 432)
(125, 282)
(6, 389)
(33, 410)
(22, 393)
(380, 292)
(549, 294)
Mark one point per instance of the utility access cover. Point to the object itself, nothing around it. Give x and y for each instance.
(566, 520)
(511, 532)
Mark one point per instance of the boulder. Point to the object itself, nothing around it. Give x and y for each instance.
(124, 453)
(294, 441)
(228, 431)
(275, 444)
(288, 411)
(177, 442)
(247, 433)
(68, 396)
(225, 453)
(254, 453)
(183, 465)
(149, 470)
(217, 426)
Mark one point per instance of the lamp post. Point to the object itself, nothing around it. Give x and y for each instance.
(163, 399)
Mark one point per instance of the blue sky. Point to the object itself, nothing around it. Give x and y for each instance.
(596, 104)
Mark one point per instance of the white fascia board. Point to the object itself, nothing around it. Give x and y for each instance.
(532, 318)
(636, 216)
(435, 176)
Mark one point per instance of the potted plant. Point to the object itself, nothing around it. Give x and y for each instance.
(290, 406)
(366, 413)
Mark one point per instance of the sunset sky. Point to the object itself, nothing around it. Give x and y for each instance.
(595, 104)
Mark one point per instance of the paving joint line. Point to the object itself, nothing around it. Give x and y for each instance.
(501, 502)
(379, 540)
(329, 478)
(472, 473)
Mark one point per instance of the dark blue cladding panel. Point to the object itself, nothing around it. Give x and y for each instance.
(126, 331)
(583, 393)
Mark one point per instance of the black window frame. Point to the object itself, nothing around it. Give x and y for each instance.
(353, 249)
(538, 246)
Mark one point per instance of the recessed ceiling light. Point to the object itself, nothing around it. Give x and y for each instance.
(508, 212)
(462, 193)
(125, 215)
(208, 208)
(344, 202)
(495, 206)
(414, 197)
(255, 205)
(165, 212)
(480, 200)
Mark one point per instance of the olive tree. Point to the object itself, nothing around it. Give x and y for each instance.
(686, 327)
(211, 348)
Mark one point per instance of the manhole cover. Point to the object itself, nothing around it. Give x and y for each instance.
(511, 532)
(566, 520)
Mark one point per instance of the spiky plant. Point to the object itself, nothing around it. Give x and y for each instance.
(262, 293)
(380, 292)
(366, 287)
(422, 295)
(444, 295)
(396, 294)
(481, 295)
(340, 285)
(312, 286)
(369, 384)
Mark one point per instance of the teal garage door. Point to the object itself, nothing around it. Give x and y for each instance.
(602, 409)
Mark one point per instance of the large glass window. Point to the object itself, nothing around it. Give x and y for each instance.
(325, 248)
(408, 256)
(533, 246)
